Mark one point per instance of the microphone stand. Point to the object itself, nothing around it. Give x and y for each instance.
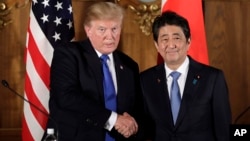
(6, 84)
(241, 114)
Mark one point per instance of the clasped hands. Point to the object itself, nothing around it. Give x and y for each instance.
(126, 125)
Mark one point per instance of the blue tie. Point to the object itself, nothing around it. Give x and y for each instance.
(109, 90)
(175, 95)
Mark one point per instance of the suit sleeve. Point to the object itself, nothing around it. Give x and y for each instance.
(67, 96)
(221, 108)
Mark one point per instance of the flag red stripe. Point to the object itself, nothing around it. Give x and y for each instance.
(34, 120)
(26, 134)
(38, 61)
(31, 96)
(38, 56)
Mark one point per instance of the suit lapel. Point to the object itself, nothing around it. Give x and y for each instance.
(163, 94)
(122, 85)
(191, 85)
(93, 64)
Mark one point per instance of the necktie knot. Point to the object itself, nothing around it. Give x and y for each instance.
(104, 58)
(175, 75)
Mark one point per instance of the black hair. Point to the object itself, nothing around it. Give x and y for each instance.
(170, 18)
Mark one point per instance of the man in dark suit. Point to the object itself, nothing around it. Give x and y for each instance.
(77, 105)
(195, 105)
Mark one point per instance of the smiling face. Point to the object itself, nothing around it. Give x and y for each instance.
(104, 34)
(172, 45)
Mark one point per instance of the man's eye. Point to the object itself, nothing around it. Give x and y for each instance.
(165, 39)
(101, 29)
(177, 38)
(114, 29)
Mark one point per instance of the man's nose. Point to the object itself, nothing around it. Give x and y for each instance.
(109, 34)
(171, 44)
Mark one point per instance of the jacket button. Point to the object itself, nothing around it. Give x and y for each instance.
(88, 120)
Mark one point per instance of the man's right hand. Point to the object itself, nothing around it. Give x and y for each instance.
(126, 125)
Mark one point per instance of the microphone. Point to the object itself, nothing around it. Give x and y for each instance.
(6, 84)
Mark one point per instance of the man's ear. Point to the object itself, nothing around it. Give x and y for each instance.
(87, 30)
(189, 41)
(156, 45)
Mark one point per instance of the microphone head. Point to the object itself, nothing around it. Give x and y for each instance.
(5, 83)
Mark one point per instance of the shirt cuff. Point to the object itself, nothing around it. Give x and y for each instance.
(111, 121)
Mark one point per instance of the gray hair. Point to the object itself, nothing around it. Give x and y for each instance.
(103, 11)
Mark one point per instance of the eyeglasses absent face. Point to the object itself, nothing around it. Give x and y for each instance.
(104, 34)
(172, 44)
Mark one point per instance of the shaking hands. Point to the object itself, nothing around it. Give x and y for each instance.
(126, 125)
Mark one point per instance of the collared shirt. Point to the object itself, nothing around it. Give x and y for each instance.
(183, 69)
(113, 117)
(111, 66)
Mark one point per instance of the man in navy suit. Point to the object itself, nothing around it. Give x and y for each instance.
(203, 113)
(77, 105)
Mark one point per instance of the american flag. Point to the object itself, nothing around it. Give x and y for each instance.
(51, 22)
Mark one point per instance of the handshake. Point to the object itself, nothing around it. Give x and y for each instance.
(126, 125)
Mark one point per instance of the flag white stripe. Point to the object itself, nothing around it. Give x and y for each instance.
(43, 44)
(163, 2)
(33, 125)
(27, 39)
(40, 89)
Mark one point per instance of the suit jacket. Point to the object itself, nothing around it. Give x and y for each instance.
(204, 113)
(76, 104)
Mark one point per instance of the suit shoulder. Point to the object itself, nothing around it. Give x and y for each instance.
(212, 69)
(125, 58)
(204, 67)
(209, 71)
(67, 47)
(153, 69)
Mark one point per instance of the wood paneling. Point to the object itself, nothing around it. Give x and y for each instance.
(12, 45)
(12, 69)
(12, 134)
(228, 38)
(136, 44)
(228, 34)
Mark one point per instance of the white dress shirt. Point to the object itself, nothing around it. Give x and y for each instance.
(183, 69)
(113, 117)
